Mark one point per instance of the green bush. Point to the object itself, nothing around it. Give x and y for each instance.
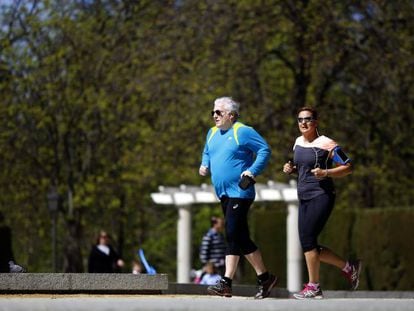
(380, 237)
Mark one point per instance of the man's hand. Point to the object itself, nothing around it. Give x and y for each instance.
(203, 170)
(248, 173)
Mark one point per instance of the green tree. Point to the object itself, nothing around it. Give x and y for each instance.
(108, 99)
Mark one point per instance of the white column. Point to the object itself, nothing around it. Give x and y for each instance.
(184, 244)
(294, 250)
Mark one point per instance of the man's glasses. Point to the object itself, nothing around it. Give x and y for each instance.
(306, 120)
(217, 112)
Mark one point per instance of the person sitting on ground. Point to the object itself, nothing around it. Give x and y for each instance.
(136, 267)
(210, 277)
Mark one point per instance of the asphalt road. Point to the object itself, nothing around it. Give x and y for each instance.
(193, 303)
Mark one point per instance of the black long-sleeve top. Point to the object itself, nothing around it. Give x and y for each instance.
(99, 262)
(6, 252)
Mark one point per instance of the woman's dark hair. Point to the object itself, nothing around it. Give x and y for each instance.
(102, 233)
(311, 110)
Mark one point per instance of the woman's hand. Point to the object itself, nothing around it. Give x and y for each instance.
(319, 173)
(288, 168)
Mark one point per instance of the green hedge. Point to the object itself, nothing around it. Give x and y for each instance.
(380, 237)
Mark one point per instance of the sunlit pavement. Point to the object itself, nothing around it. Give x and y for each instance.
(193, 302)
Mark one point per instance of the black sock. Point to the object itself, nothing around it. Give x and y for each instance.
(227, 280)
(263, 277)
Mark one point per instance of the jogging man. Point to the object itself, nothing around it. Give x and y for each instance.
(235, 152)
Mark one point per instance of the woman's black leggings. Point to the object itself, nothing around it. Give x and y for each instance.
(313, 215)
(235, 211)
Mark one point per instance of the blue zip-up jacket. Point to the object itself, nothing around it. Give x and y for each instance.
(229, 153)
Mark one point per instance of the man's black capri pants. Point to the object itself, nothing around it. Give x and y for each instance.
(235, 211)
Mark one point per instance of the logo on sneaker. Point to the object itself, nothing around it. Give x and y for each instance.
(235, 206)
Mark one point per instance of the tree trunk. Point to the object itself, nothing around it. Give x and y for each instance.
(73, 254)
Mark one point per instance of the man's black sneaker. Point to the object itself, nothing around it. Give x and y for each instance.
(266, 287)
(220, 289)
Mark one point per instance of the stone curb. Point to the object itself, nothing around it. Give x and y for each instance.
(82, 282)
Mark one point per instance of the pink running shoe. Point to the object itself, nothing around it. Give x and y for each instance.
(353, 275)
(309, 292)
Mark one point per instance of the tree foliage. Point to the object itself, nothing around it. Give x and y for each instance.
(106, 100)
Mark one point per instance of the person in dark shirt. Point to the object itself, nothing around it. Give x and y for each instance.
(7, 263)
(317, 160)
(103, 258)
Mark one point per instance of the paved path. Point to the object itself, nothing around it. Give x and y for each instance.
(193, 303)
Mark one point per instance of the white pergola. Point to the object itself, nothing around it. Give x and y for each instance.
(184, 196)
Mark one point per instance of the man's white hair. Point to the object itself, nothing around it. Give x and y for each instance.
(229, 103)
